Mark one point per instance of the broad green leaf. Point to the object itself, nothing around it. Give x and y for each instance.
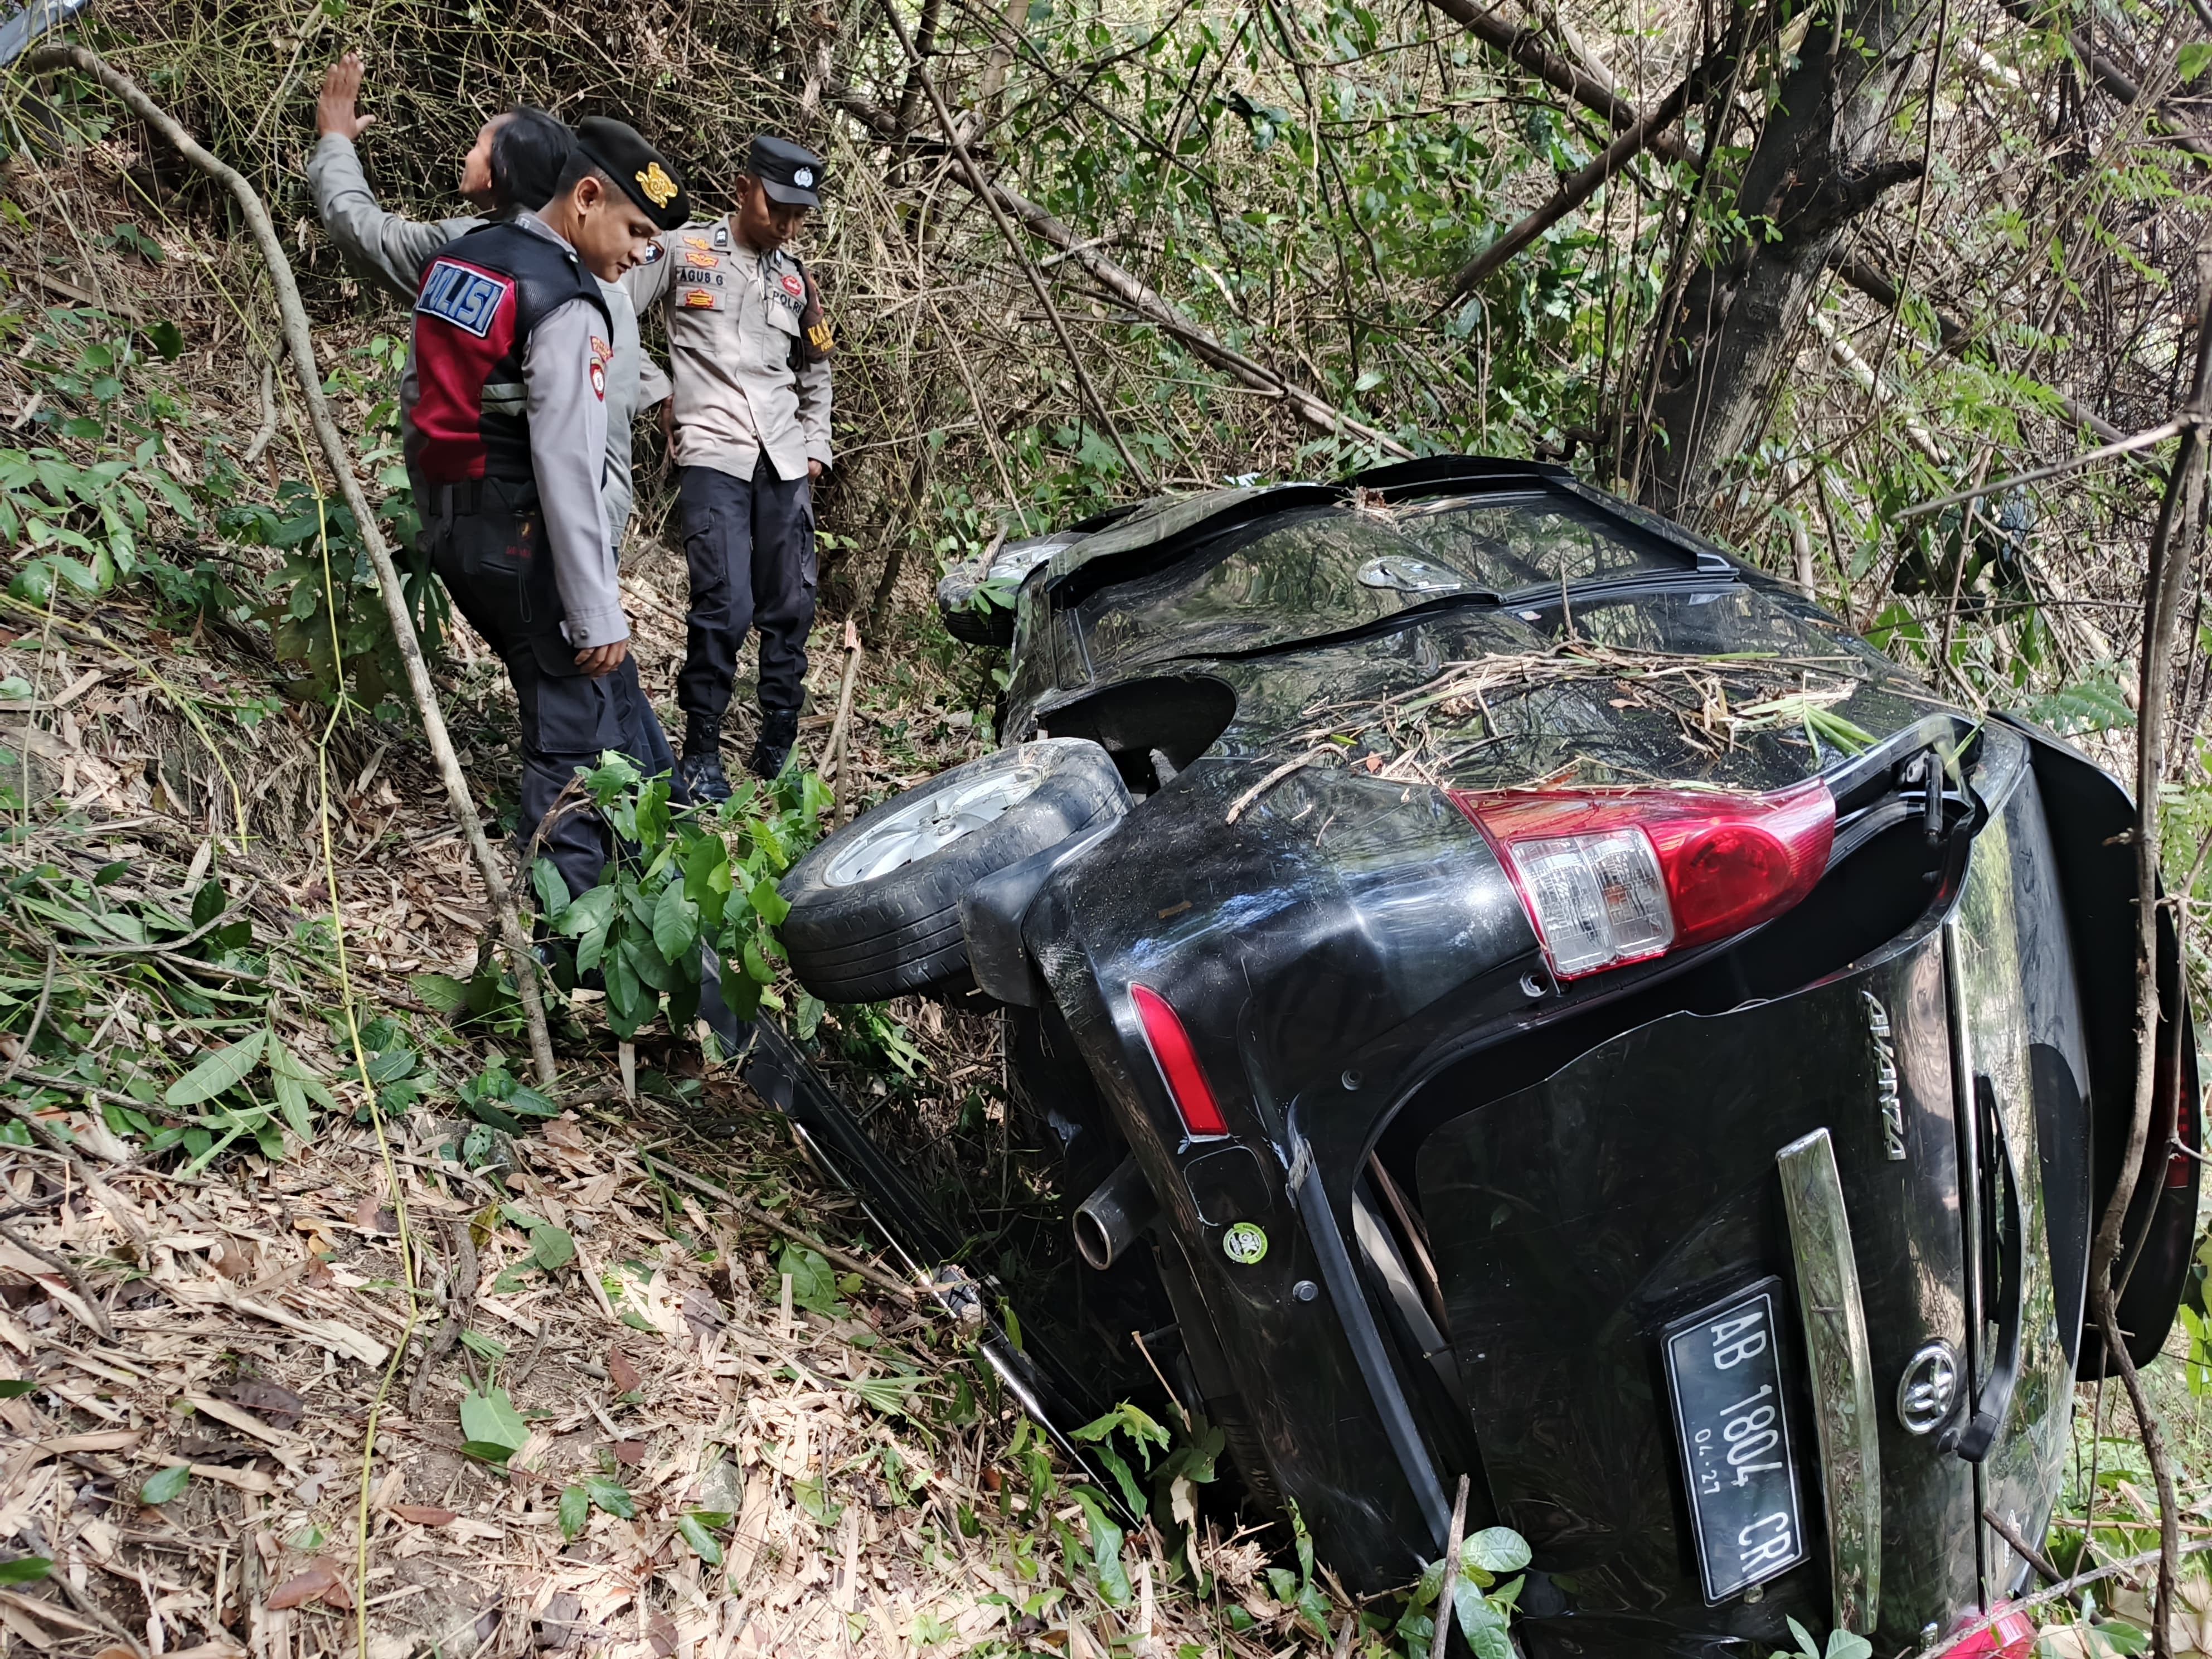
(1483, 1625)
(587, 912)
(489, 1451)
(25, 1570)
(224, 1069)
(17, 1388)
(768, 903)
(168, 1484)
(441, 993)
(701, 1541)
(1495, 1550)
(675, 922)
(292, 1101)
(552, 1247)
(490, 1418)
(813, 1284)
(575, 1511)
(552, 889)
(611, 1496)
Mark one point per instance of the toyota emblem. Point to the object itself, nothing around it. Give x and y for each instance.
(1928, 1389)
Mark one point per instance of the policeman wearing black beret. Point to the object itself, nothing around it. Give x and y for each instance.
(506, 417)
(749, 430)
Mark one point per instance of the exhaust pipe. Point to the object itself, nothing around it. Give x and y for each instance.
(1109, 1222)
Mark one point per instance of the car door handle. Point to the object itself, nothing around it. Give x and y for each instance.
(1993, 1399)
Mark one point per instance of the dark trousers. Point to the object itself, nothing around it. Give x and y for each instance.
(750, 545)
(487, 546)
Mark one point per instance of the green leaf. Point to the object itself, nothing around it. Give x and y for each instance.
(224, 1069)
(552, 1247)
(1482, 1623)
(488, 1451)
(611, 1496)
(168, 339)
(489, 1418)
(168, 1484)
(552, 889)
(588, 912)
(813, 1285)
(2192, 60)
(1124, 1477)
(17, 1388)
(441, 993)
(701, 1541)
(575, 1510)
(25, 1570)
(675, 922)
(768, 903)
(1496, 1550)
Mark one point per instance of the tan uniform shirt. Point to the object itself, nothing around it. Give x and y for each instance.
(732, 318)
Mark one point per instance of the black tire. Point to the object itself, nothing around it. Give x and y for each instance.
(856, 938)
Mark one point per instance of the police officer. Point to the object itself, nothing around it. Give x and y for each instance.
(506, 415)
(515, 163)
(749, 430)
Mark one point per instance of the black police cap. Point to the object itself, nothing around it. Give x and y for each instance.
(791, 175)
(648, 177)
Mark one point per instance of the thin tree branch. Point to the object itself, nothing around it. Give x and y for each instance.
(1310, 406)
(298, 339)
(1578, 189)
(2171, 558)
(981, 187)
(1526, 49)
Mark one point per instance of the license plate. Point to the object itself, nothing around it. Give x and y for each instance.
(1724, 1373)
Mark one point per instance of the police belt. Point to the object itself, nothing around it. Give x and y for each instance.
(467, 497)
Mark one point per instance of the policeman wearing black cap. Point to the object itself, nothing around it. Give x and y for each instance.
(749, 430)
(506, 423)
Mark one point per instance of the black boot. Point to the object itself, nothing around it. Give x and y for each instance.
(778, 730)
(700, 766)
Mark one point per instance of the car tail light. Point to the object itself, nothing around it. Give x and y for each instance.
(2006, 1633)
(1617, 876)
(2180, 1165)
(1178, 1063)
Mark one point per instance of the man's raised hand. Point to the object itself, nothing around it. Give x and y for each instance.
(334, 109)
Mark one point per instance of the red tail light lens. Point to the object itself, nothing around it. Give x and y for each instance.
(1178, 1063)
(1611, 877)
(2006, 1633)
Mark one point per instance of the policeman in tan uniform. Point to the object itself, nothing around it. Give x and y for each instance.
(749, 427)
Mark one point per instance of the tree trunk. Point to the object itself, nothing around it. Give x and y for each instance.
(1815, 168)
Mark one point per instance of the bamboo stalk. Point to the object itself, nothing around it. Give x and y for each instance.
(294, 317)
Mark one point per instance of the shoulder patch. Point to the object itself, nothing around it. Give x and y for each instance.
(654, 253)
(463, 295)
(601, 351)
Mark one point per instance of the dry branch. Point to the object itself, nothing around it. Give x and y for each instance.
(1309, 406)
(2171, 556)
(1525, 48)
(301, 345)
(1578, 189)
(980, 186)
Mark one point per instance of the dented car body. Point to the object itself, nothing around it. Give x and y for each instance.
(1547, 1004)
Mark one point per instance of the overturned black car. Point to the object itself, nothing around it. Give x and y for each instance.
(1534, 998)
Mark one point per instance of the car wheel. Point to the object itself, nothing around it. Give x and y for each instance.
(875, 909)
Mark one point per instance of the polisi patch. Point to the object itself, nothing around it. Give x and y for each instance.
(461, 295)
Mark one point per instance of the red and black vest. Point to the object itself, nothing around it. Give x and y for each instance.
(482, 298)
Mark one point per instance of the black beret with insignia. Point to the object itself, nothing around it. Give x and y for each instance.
(791, 175)
(647, 178)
